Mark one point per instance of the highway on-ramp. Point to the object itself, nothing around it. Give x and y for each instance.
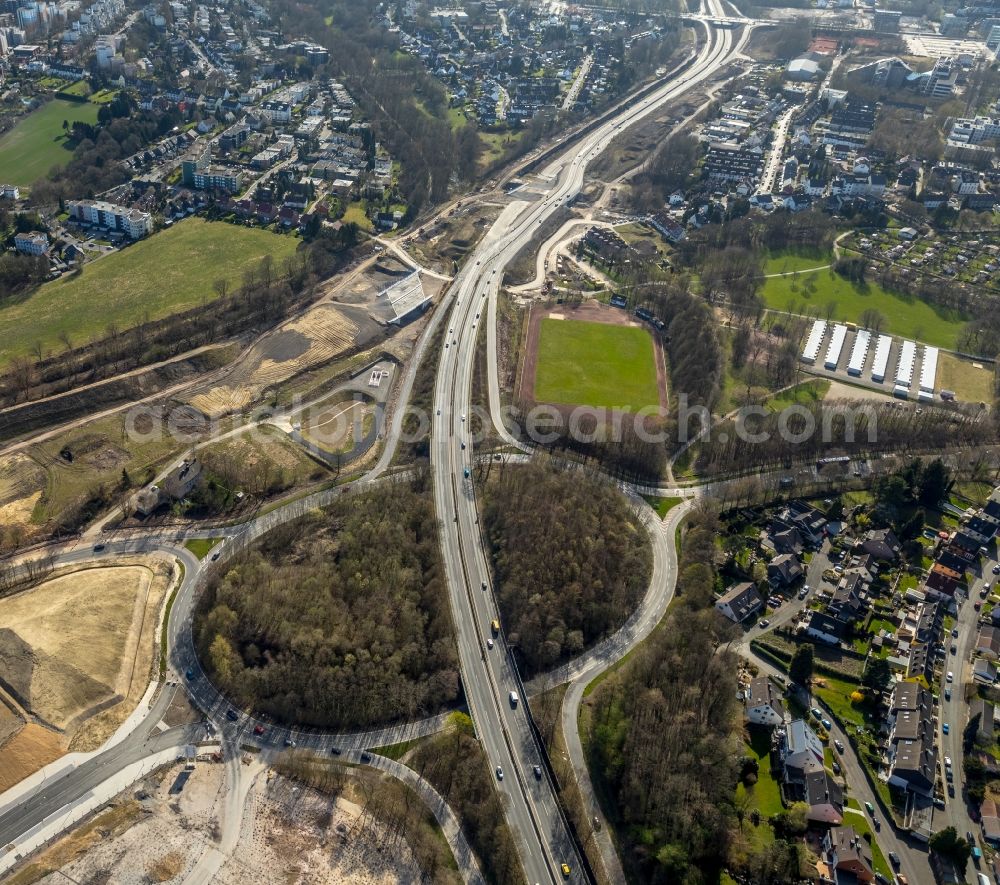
(488, 673)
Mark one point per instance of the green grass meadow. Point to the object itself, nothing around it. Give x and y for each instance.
(595, 364)
(814, 292)
(170, 271)
(38, 142)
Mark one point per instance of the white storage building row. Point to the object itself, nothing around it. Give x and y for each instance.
(928, 369)
(811, 351)
(904, 368)
(880, 362)
(859, 352)
(835, 347)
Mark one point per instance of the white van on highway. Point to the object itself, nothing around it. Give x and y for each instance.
(513, 699)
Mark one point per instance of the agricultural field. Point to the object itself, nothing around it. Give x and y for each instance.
(819, 292)
(595, 364)
(38, 142)
(166, 273)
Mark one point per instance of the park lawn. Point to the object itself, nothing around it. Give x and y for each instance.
(38, 142)
(595, 364)
(807, 392)
(81, 89)
(970, 384)
(790, 262)
(822, 290)
(165, 273)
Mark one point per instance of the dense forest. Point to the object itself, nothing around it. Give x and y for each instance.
(338, 620)
(662, 732)
(572, 562)
(829, 427)
(456, 766)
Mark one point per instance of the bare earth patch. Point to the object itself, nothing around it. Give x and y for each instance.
(301, 837)
(33, 747)
(22, 481)
(316, 337)
(838, 390)
(289, 835)
(77, 651)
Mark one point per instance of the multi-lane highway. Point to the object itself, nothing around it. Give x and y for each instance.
(488, 673)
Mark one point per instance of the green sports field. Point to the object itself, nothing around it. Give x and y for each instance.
(595, 364)
(170, 271)
(38, 142)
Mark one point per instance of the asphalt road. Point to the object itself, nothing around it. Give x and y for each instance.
(955, 711)
(488, 673)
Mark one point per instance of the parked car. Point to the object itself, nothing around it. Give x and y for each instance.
(950, 677)
(258, 729)
(827, 724)
(763, 622)
(869, 808)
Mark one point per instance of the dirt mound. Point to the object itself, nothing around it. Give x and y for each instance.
(17, 664)
(70, 645)
(62, 693)
(10, 722)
